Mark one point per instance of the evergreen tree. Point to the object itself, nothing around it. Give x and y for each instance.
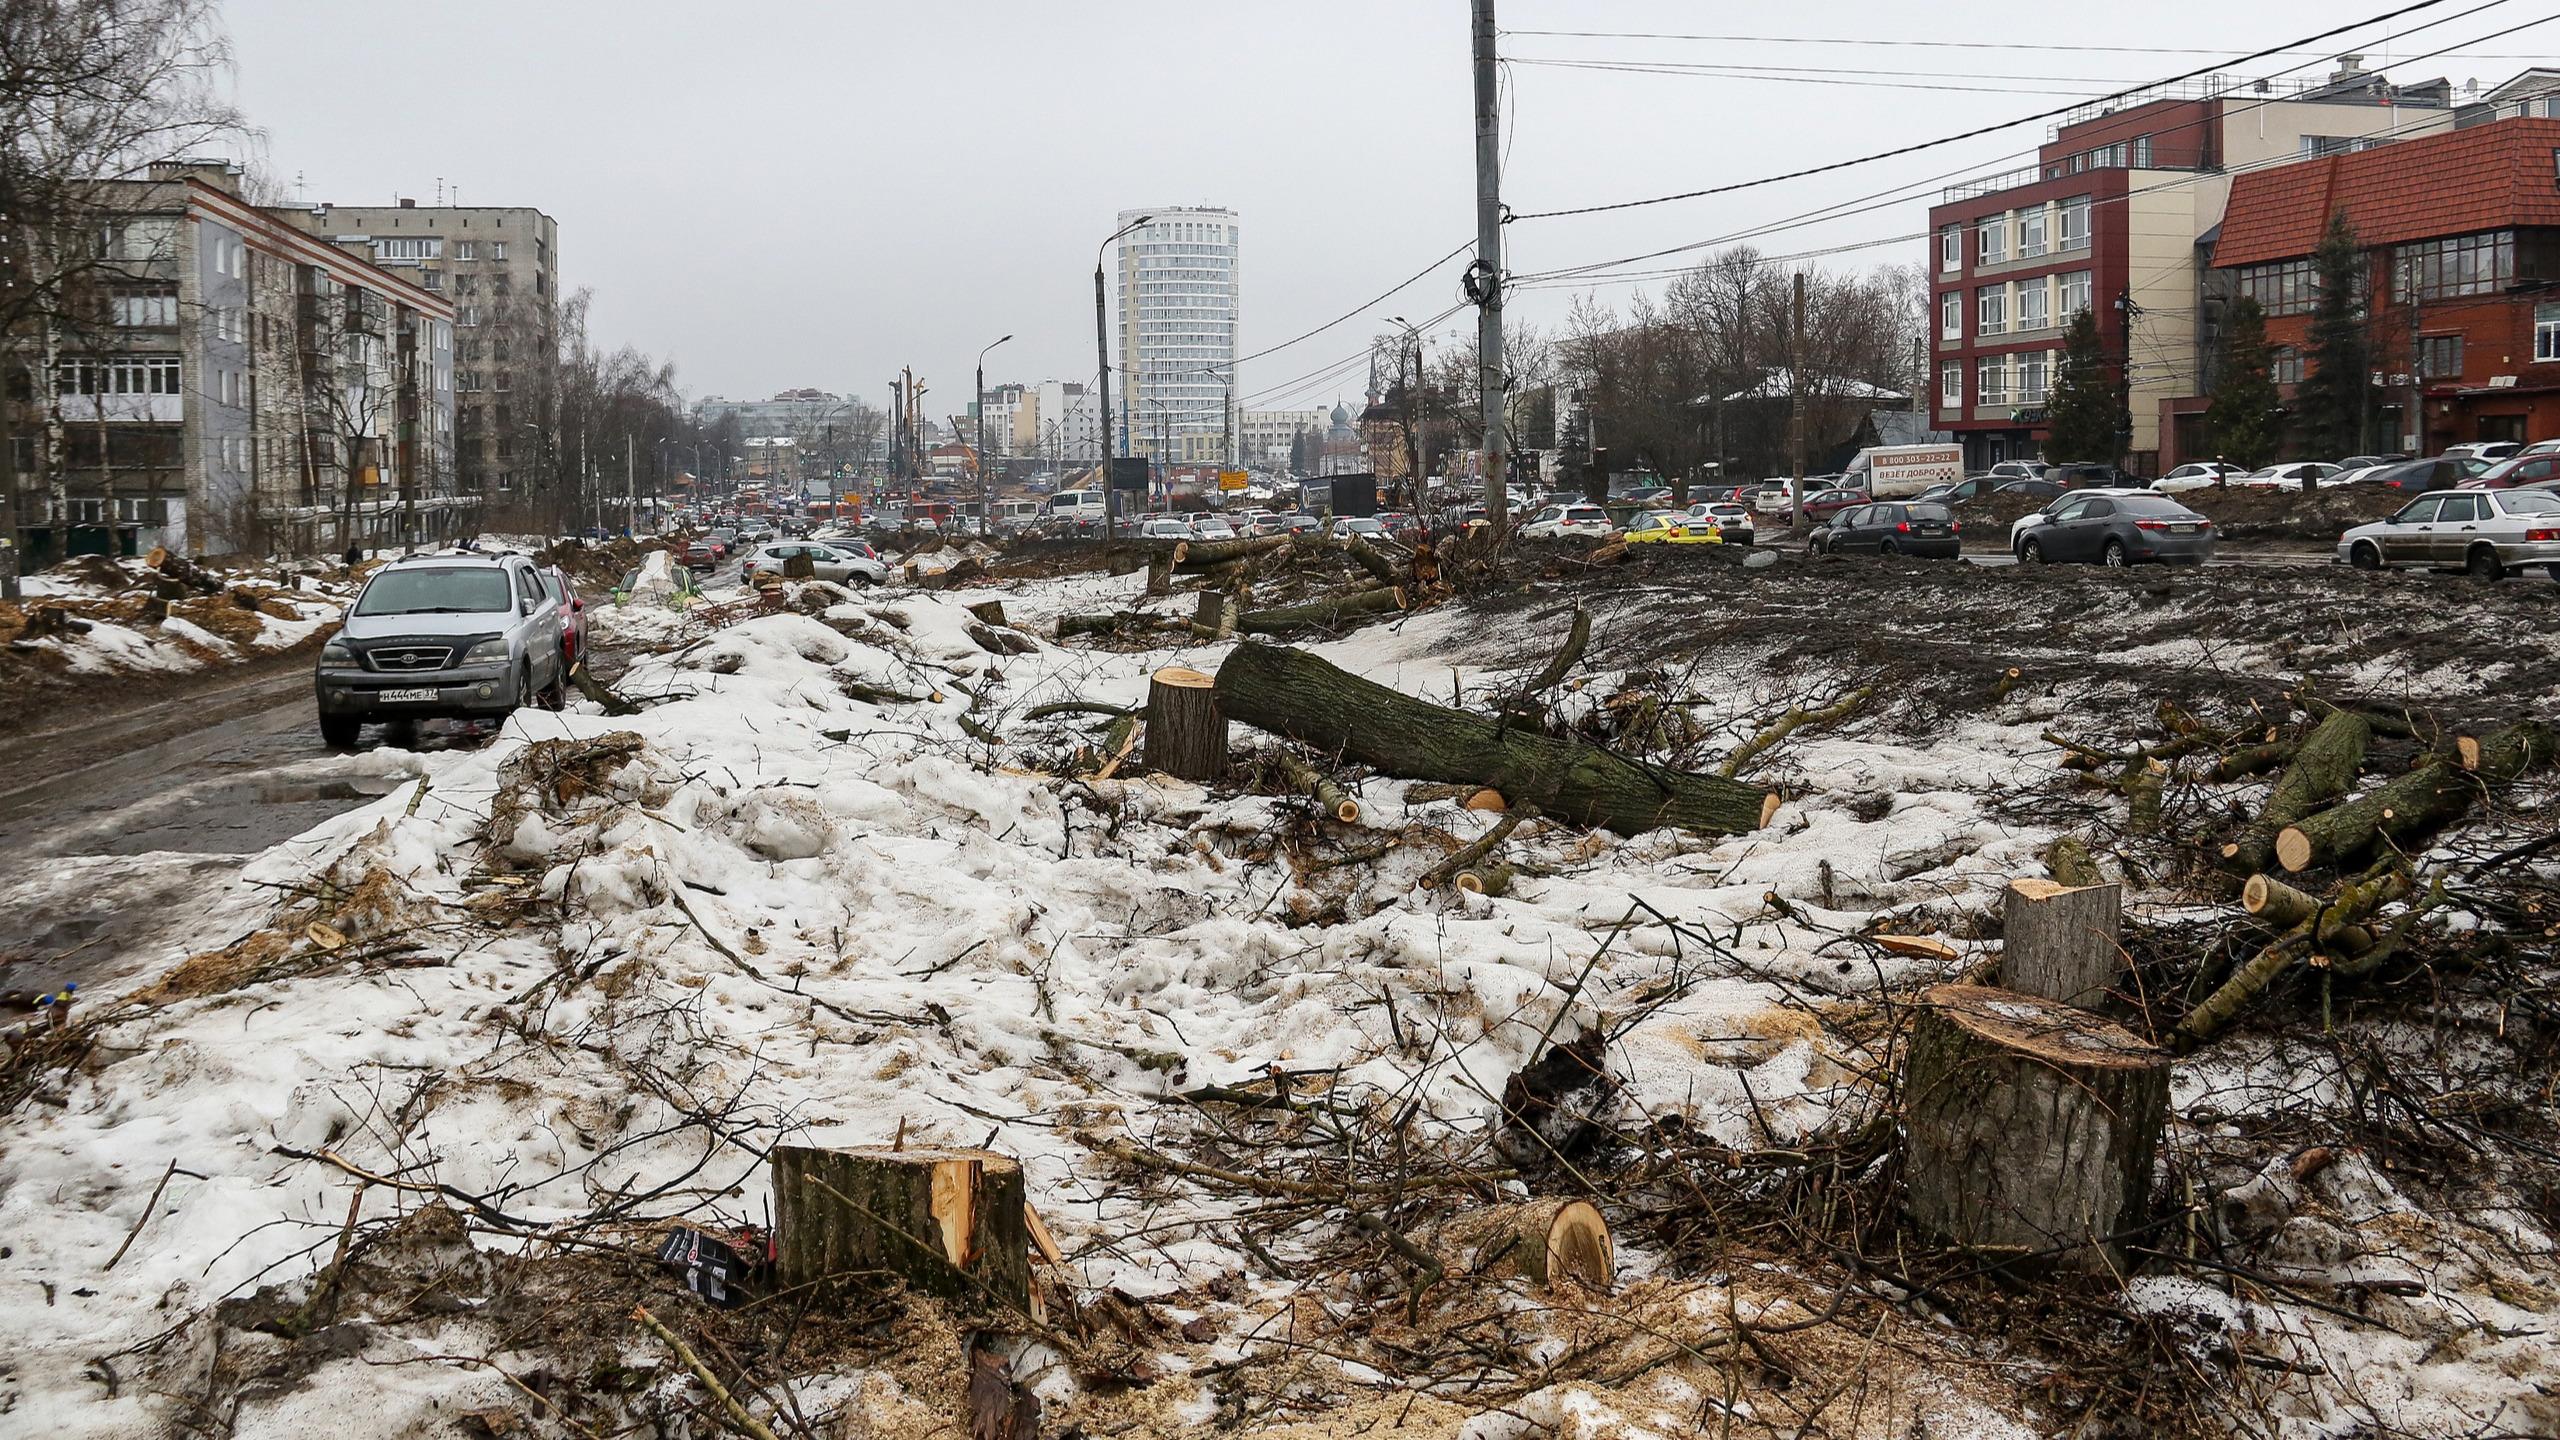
(2338, 360)
(2080, 409)
(2243, 418)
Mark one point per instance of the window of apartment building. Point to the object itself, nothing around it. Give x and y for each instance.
(499, 285)
(2035, 304)
(1991, 310)
(2075, 223)
(1951, 386)
(152, 307)
(122, 375)
(2440, 356)
(467, 379)
(1951, 315)
(2284, 365)
(2462, 265)
(2283, 288)
(1991, 381)
(497, 249)
(432, 279)
(1991, 240)
(466, 315)
(410, 247)
(2546, 332)
(2031, 373)
(2075, 294)
(2031, 232)
(1950, 249)
(466, 249)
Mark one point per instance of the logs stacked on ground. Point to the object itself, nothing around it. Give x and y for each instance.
(1329, 613)
(1545, 1242)
(2324, 767)
(2032, 1126)
(1294, 694)
(2415, 803)
(948, 1223)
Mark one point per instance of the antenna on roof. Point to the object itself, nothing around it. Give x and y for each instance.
(439, 190)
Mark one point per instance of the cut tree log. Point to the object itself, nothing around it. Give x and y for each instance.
(1316, 703)
(2323, 769)
(1329, 613)
(2068, 860)
(1215, 619)
(989, 611)
(949, 1223)
(182, 570)
(2274, 903)
(2060, 941)
(2032, 1126)
(1319, 787)
(1785, 725)
(1186, 730)
(2439, 789)
(1491, 877)
(1545, 1242)
(1380, 568)
(1471, 855)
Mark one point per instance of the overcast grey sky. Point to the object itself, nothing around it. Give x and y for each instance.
(778, 193)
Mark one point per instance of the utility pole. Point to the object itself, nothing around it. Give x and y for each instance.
(1484, 279)
(2124, 379)
(1795, 414)
(630, 489)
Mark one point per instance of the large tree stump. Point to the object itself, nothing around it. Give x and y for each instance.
(1316, 703)
(2031, 1126)
(948, 1223)
(1541, 1241)
(1186, 729)
(2060, 941)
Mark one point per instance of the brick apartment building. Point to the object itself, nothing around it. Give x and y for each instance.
(2462, 237)
(2111, 218)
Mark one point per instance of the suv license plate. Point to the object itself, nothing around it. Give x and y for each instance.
(422, 696)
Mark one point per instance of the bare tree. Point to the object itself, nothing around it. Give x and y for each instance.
(91, 91)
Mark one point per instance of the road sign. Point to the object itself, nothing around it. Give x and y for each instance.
(1233, 479)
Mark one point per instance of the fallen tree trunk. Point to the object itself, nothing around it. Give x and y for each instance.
(183, 570)
(2032, 1126)
(1307, 699)
(2419, 801)
(1327, 613)
(2322, 770)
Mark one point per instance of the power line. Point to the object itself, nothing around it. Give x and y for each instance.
(1925, 44)
(1633, 68)
(2293, 46)
(1721, 70)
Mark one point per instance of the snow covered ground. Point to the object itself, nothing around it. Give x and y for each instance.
(794, 911)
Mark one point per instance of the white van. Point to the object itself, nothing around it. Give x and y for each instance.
(1076, 505)
(1017, 514)
(1898, 472)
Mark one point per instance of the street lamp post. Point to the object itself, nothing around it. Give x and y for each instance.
(1102, 374)
(1226, 413)
(986, 516)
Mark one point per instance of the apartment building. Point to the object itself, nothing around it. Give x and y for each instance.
(2462, 237)
(1268, 437)
(241, 386)
(499, 266)
(2112, 219)
(1060, 423)
(1179, 299)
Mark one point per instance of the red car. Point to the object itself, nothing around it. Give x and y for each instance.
(698, 555)
(1821, 505)
(2508, 474)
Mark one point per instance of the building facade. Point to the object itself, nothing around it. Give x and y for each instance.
(1179, 303)
(244, 388)
(1270, 437)
(499, 267)
(1060, 422)
(2113, 219)
(2461, 233)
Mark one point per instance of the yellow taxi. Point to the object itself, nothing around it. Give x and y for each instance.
(1660, 527)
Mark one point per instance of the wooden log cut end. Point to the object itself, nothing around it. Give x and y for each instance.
(2293, 849)
(1488, 800)
(1769, 808)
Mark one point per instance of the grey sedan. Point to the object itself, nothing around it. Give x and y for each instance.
(2119, 528)
(2486, 532)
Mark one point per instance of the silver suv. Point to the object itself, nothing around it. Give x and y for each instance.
(451, 636)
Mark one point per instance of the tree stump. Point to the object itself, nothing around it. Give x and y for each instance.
(948, 1223)
(1216, 617)
(990, 611)
(798, 566)
(2060, 941)
(1186, 727)
(1541, 1241)
(2030, 1126)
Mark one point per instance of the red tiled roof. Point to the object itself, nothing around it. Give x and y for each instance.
(2489, 177)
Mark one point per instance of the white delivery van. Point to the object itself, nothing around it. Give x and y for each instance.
(1898, 472)
(1076, 505)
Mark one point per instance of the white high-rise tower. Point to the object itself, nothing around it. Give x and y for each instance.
(1179, 291)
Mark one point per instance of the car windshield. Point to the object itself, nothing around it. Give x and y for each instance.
(2530, 502)
(474, 591)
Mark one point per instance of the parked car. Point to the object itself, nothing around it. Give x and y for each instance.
(2492, 451)
(1163, 527)
(2019, 469)
(573, 614)
(2094, 477)
(700, 555)
(2416, 477)
(1821, 505)
(1360, 527)
(1893, 527)
(2204, 475)
(2518, 470)
(1965, 491)
(2485, 532)
(844, 563)
(2290, 476)
(1302, 523)
(459, 635)
(1672, 527)
(2368, 462)
(1211, 527)
(1769, 497)
(2118, 528)
(1733, 521)
(1557, 521)
(2037, 487)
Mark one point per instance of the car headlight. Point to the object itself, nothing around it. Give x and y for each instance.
(492, 650)
(337, 651)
